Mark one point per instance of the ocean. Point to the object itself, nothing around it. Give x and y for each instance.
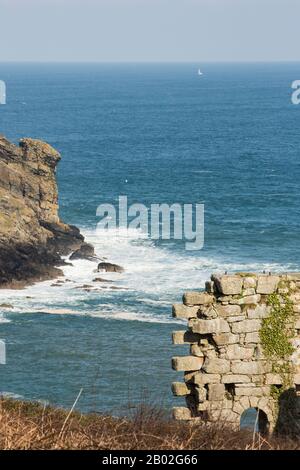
(157, 133)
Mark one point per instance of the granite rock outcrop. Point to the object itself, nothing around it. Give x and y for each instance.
(33, 239)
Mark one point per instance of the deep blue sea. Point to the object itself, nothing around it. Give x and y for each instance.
(159, 134)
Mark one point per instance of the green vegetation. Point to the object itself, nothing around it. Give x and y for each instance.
(276, 334)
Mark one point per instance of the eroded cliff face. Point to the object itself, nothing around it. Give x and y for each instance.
(32, 237)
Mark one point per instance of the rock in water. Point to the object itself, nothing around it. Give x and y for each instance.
(110, 268)
(32, 237)
(86, 251)
(101, 279)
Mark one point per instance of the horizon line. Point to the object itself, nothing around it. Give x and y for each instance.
(161, 62)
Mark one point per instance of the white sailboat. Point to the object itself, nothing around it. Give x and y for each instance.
(199, 72)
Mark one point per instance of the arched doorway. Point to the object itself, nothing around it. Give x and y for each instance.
(255, 419)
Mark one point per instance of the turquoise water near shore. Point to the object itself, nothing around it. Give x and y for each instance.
(156, 133)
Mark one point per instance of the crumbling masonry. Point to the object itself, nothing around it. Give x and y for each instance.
(228, 370)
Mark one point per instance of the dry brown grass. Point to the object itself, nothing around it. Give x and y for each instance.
(26, 425)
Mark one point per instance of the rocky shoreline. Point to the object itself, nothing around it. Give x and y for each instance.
(33, 239)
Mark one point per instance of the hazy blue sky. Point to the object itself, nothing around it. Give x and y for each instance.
(149, 30)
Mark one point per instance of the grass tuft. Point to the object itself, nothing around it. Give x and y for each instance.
(27, 426)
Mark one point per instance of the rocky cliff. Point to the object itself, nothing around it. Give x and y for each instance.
(32, 237)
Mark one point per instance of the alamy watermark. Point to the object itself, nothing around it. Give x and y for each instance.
(2, 352)
(2, 92)
(157, 222)
(296, 93)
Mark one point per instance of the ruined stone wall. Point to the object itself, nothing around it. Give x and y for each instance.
(228, 370)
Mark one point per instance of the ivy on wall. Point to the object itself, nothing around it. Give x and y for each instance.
(276, 334)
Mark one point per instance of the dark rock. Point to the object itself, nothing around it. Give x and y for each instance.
(117, 288)
(32, 237)
(85, 286)
(110, 268)
(101, 279)
(66, 238)
(21, 265)
(86, 251)
(6, 306)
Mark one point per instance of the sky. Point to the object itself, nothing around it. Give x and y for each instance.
(149, 30)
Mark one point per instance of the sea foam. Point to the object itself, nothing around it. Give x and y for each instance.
(154, 277)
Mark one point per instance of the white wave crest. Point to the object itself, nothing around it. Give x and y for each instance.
(154, 278)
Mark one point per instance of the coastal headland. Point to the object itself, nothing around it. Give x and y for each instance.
(33, 239)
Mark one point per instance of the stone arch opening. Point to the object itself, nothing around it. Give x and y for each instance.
(255, 419)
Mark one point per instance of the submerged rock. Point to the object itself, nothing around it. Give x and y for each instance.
(84, 286)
